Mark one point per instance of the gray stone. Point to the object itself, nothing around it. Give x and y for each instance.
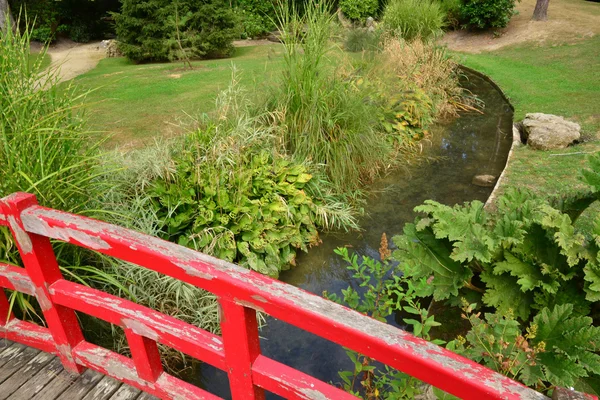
(484, 180)
(547, 132)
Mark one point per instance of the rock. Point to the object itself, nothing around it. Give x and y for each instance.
(484, 180)
(547, 132)
(112, 48)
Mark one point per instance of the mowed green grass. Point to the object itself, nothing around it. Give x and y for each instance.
(556, 79)
(133, 104)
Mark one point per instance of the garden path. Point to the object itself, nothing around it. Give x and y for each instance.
(568, 20)
(73, 59)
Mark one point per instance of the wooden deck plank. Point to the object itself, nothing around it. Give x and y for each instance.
(29, 374)
(10, 352)
(104, 389)
(81, 387)
(146, 396)
(126, 392)
(38, 382)
(17, 361)
(23, 375)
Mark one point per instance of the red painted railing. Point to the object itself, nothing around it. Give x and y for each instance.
(240, 292)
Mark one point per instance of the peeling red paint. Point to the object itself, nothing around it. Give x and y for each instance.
(240, 293)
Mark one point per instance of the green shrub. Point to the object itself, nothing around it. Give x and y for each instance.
(234, 194)
(557, 349)
(327, 119)
(451, 9)
(80, 33)
(484, 14)
(82, 20)
(256, 17)
(147, 29)
(359, 10)
(411, 19)
(505, 251)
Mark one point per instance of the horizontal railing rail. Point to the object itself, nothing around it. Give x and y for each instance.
(240, 293)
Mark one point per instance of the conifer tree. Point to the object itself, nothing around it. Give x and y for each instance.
(148, 30)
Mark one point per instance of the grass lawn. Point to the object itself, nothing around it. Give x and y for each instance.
(556, 79)
(137, 103)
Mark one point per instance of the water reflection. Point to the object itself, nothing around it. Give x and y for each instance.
(470, 145)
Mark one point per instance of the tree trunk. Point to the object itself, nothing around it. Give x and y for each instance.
(4, 11)
(541, 10)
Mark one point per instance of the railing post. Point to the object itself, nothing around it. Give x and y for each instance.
(242, 346)
(5, 312)
(41, 265)
(145, 356)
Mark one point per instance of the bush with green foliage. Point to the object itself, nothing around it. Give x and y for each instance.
(233, 193)
(557, 348)
(411, 19)
(256, 17)
(81, 20)
(530, 265)
(155, 30)
(484, 14)
(359, 10)
(525, 257)
(381, 294)
(451, 9)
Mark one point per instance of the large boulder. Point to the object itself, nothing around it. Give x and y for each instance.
(547, 132)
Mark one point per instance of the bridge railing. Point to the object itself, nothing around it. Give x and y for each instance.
(240, 294)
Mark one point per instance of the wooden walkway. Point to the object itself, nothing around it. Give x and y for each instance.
(27, 373)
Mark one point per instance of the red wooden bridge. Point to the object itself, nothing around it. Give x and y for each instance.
(240, 292)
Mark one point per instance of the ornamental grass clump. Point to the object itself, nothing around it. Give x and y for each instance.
(46, 150)
(427, 67)
(413, 19)
(326, 119)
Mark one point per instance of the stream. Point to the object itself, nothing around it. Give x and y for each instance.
(473, 144)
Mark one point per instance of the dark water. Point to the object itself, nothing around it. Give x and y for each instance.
(470, 145)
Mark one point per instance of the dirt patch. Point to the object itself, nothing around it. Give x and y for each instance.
(252, 42)
(73, 59)
(568, 20)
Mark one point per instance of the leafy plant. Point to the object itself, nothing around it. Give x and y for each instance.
(359, 10)
(484, 14)
(556, 349)
(527, 256)
(379, 294)
(412, 19)
(234, 194)
(256, 17)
